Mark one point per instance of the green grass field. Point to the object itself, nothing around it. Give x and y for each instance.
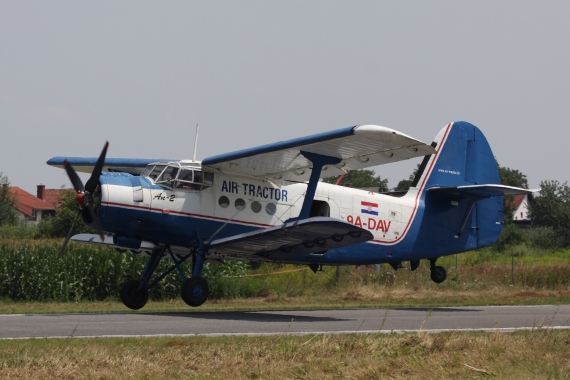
(538, 354)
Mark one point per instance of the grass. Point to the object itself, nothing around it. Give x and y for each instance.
(537, 354)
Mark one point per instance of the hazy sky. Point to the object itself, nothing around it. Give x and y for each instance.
(141, 74)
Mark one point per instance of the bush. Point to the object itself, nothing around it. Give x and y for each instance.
(19, 231)
(544, 237)
(511, 236)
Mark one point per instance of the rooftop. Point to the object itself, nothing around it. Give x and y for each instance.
(26, 203)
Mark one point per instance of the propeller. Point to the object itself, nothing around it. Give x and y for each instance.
(85, 194)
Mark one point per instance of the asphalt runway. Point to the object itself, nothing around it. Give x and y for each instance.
(493, 318)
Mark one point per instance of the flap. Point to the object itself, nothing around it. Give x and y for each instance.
(358, 147)
(481, 190)
(306, 236)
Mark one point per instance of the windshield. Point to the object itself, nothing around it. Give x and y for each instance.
(169, 174)
(156, 172)
(187, 177)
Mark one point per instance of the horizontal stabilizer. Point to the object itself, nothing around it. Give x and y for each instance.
(481, 190)
(312, 235)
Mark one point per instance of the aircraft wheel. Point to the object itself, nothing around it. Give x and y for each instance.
(131, 297)
(438, 274)
(195, 291)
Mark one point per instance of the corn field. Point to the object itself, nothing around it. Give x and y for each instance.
(30, 270)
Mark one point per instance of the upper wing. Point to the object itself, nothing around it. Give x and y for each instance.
(306, 236)
(85, 164)
(358, 147)
(481, 190)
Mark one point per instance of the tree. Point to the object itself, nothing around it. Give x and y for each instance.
(405, 184)
(511, 177)
(361, 178)
(552, 208)
(65, 214)
(7, 202)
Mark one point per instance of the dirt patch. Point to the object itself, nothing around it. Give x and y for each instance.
(352, 296)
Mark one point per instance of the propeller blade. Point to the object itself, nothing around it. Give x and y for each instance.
(73, 177)
(91, 184)
(97, 224)
(68, 236)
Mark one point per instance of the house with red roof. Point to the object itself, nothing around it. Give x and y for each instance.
(520, 214)
(32, 208)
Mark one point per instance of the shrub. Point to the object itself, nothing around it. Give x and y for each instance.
(544, 237)
(19, 231)
(511, 236)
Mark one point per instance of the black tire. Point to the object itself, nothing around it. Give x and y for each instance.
(195, 291)
(438, 274)
(131, 297)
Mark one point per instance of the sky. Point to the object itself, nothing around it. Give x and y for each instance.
(142, 74)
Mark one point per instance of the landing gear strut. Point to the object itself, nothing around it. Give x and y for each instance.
(194, 292)
(438, 273)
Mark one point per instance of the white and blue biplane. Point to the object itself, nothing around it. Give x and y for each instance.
(268, 204)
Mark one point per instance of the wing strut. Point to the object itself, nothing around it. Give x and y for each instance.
(319, 161)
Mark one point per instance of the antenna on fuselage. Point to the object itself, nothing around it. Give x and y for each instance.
(195, 143)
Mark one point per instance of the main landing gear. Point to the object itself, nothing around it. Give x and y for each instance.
(438, 274)
(194, 292)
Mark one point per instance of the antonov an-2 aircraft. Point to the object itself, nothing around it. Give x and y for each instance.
(268, 204)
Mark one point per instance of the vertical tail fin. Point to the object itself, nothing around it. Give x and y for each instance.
(463, 157)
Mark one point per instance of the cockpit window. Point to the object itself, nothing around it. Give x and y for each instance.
(208, 179)
(192, 179)
(147, 170)
(156, 172)
(188, 177)
(169, 174)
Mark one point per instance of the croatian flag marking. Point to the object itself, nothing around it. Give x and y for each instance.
(369, 208)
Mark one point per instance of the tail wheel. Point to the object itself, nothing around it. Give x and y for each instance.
(438, 274)
(132, 297)
(195, 291)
